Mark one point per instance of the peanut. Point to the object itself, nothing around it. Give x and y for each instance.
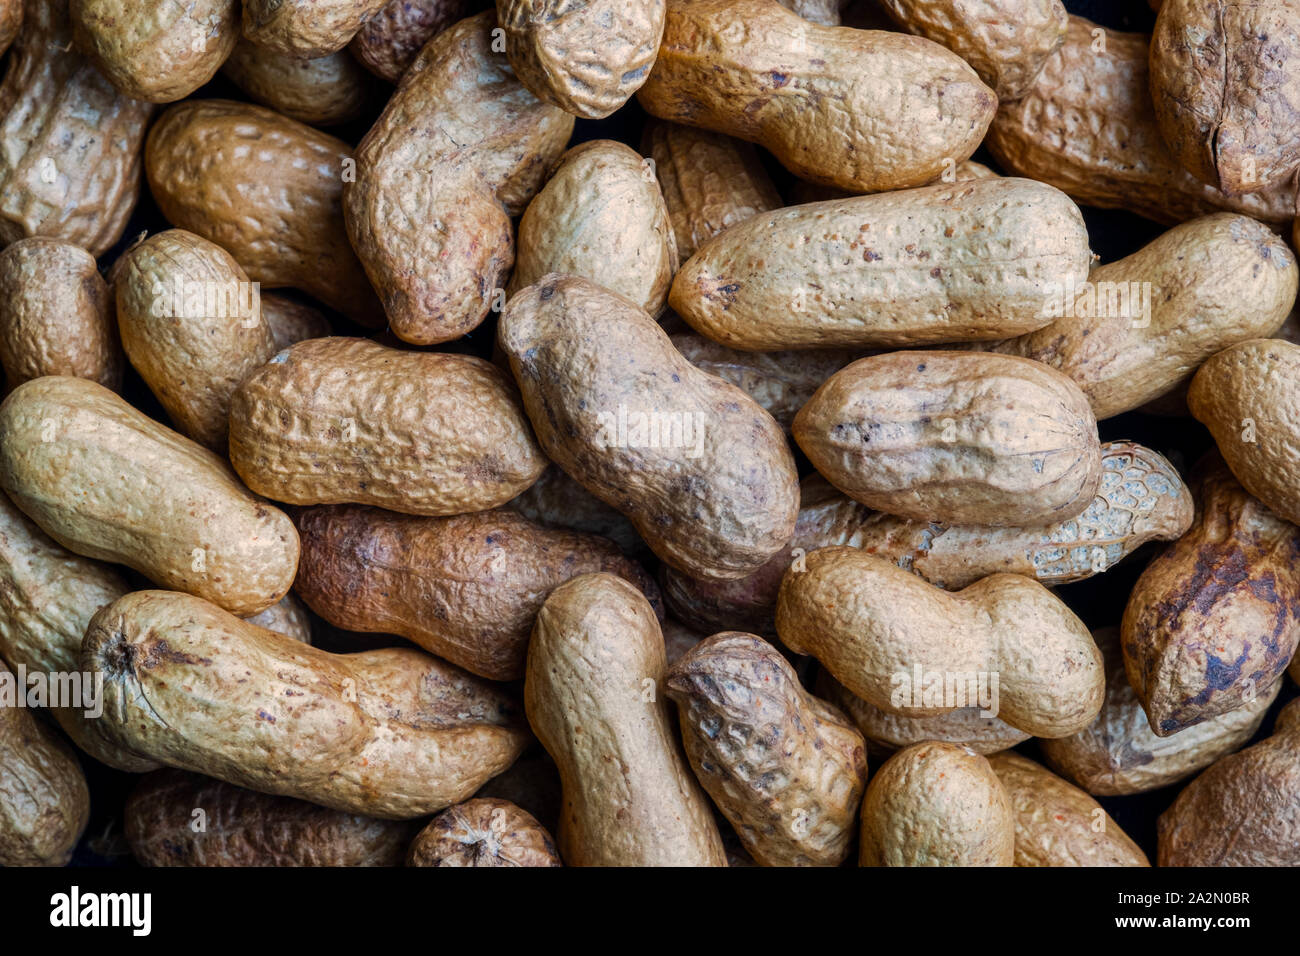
(557, 501)
(306, 28)
(388, 42)
(292, 321)
(325, 91)
(483, 832)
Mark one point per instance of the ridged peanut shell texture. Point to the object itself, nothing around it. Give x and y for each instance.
(1087, 126)
(594, 697)
(787, 769)
(244, 828)
(341, 420)
(107, 482)
(306, 28)
(158, 52)
(601, 216)
(465, 588)
(955, 437)
(56, 315)
(701, 470)
(391, 733)
(1225, 82)
(1215, 618)
(945, 263)
(1247, 397)
(461, 147)
(388, 41)
(267, 190)
(324, 91)
(1056, 822)
(1140, 327)
(292, 321)
(587, 57)
(874, 626)
(937, 804)
(557, 501)
(864, 110)
(484, 832)
(69, 141)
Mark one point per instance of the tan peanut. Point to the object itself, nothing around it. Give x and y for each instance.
(557, 501)
(324, 91)
(306, 28)
(288, 616)
(388, 41)
(292, 321)
(483, 832)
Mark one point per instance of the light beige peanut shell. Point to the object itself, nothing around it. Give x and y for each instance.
(1247, 397)
(1118, 754)
(157, 52)
(47, 597)
(874, 627)
(324, 91)
(709, 181)
(1140, 327)
(557, 501)
(306, 28)
(288, 616)
(600, 216)
(69, 141)
(391, 733)
(107, 482)
(1057, 824)
(1214, 619)
(56, 315)
(1225, 83)
(859, 109)
(266, 189)
(11, 21)
(785, 768)
(713, 491)
(292, 321)
(44, 801)
(825, 12)
(342, 420)
(586, 57)
(937, 804)
(594, 693)
(465, 588)
(955, 437)
(1244, 810)
(483, 832)
(1087, 126)
(191, 325)
(388, 42)
(947, 263)
(1006, 41)
(461, 147)
(174, 818)
(800, 192)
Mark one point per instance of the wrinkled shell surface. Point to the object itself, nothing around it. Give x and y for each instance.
(306, 28)
(388, 42)
(325, 91)
(483, 832)
(291, 321)
(557, 501)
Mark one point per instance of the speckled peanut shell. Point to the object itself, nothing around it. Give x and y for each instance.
(868, 622)
(483, 832)
(1057, 824)
(1225, 83)
(391, 733)
(955, 437)
(946, 263)
(1247, 397)
(1087, 126)
(55, 315)
(601, 216)
(388, 42)
(107, 482)
(266, 189)
(800, 192)
(557, 501)
(69, 141)
(1213, 282)
(288, 616)
(1006, 41)
(47, 597)
(1215, 618)
(157, 52)
(44, 801)
(1244, 810)
(717, 503)
(709, 181)
(342, 420)
(1141, 498)
(860, 109)
(594, 693)
(324, 91)
(461, 147)
(192, 326)
(1118, 754)
(937, 804)
(785, 768)
(585, 56)
(11, 21)
(292, 321)
(887, 733)
(241, 827)
(306, 28)
(465, 588)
